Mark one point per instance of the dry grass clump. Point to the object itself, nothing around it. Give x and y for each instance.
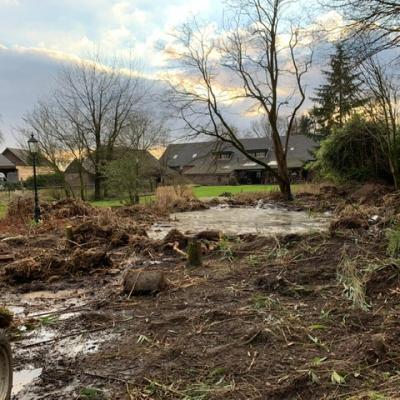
(20, 208)
(253, 197)
(353, 281)
(167, 196)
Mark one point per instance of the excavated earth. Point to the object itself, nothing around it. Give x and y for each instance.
(310, 316)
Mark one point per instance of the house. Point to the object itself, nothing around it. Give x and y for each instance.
(152, 171)
(220, 163)
(22, 164)
(8, 170)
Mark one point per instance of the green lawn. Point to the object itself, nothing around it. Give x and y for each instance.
(199, 191)
(213, 191)
(3, 210)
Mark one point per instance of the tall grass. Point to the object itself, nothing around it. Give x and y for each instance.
(393, 237)
(353, 281)
(168, 195)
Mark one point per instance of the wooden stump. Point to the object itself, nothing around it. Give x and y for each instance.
(194, 254)
(143, 282)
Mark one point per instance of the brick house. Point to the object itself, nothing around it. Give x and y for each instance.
(22, 164)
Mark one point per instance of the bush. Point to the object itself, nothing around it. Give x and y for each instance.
(353, 153)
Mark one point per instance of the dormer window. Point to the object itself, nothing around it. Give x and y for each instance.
(259, 154)
(225, 155)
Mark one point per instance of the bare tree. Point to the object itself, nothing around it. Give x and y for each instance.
(143, 132)
(60, 139)
(98, 99)
(383, 90)
(255, 53)
(374, 24)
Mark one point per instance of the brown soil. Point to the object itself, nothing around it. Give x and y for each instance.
(263, 318)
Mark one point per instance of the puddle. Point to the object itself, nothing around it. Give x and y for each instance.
(266, 221)
(24, 377)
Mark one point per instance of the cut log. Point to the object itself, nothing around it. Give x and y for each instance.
(138, 282)
(194, 253)
(212, 236)
(5, 258)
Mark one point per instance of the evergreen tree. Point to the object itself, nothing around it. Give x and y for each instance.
(339, 95)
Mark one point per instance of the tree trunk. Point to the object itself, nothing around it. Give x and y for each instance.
(97, 186)
(283, 172)
(81, 184)
(286, 191)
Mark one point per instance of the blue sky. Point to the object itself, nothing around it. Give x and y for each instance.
(36, 36)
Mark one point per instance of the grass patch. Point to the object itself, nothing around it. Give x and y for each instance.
(213, 191)
(3, 210)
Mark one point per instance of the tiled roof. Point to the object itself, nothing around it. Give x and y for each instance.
(199, 157)
(5, 163)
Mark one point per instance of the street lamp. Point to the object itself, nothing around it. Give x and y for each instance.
(34, 150)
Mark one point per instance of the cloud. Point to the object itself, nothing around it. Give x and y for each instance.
(9, 3)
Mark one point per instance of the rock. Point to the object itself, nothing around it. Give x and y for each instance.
(144, 282)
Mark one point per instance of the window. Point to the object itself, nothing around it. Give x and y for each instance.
(224, 156)
(259, 154)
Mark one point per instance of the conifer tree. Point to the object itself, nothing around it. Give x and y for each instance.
(339, 96)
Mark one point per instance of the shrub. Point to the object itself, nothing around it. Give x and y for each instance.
(353, 153)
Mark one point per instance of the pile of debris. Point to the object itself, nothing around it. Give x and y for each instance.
(52, 266)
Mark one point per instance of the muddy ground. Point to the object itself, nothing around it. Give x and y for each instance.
(286, 317)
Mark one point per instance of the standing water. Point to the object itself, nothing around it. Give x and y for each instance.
(262, 220)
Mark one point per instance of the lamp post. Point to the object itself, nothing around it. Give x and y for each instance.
(34, 150)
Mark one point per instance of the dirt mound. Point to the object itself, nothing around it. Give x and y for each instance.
(20, 209)
(392, 201)
(348, 222)
(42, 268)
(90, 233)
(68, 208)
(370, 193)
(383, 279)
(182, 205)
(141, 213)
(354, 218)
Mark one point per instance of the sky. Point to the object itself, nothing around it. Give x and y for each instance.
(38, 36)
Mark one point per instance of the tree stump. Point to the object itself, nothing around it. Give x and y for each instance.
(143, 282)
(194, 254)
(69, 234)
